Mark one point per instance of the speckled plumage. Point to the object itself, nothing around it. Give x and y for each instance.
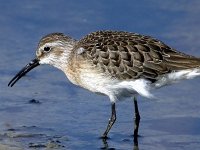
(114, 63)
(126, 55)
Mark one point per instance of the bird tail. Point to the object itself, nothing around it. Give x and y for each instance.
(180, 61)
(181, 66)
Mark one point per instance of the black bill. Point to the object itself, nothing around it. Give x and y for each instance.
(34, 63)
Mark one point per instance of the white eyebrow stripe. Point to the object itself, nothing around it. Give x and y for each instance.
(52, 44)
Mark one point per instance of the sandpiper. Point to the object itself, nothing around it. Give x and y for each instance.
(114, 63)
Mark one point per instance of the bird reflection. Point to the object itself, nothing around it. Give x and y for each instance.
(107, 147)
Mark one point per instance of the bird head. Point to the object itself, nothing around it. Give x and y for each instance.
(53, 49)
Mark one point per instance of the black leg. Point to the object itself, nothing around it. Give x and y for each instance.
(105, 144)
(111, 121)
(136, 121)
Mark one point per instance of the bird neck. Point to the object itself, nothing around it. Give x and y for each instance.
(64, 59)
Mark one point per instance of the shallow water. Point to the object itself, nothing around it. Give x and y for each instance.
(44, 111)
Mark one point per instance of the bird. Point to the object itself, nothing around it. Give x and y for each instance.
(117, 64)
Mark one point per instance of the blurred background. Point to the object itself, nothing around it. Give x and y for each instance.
(44, 111)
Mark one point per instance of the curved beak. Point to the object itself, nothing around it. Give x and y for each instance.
(32, 64)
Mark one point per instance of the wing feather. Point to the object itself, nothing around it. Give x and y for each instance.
(125, 55)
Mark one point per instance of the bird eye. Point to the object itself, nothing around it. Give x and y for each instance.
(46, 49)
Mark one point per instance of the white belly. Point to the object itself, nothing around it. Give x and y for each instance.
(118, 89)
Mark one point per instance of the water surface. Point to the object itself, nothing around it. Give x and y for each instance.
(67, 117)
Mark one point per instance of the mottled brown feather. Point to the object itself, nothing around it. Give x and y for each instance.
(127, 55)
(52, 37)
